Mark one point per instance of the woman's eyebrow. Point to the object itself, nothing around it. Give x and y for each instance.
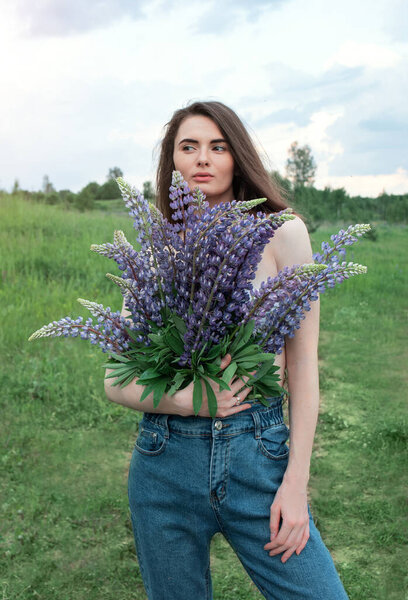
(196, 141)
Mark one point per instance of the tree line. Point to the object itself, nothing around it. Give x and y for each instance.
(314, 205)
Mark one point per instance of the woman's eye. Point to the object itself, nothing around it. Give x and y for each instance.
(187, 147)
(218, 148)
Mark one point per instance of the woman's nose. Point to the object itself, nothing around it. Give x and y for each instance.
(203, 158)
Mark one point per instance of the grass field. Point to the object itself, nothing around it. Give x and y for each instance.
(65, 448)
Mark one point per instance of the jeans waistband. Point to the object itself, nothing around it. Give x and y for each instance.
(256, 417)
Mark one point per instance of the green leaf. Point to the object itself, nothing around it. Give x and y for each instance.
(237, 340)
(258, 358)
(111, 375)
(128, 380)
(113, 365)
(201, 352)
(153, 325)
(252, 349)
(211, 398)
(264, 368)
(149, 374)
(229, 372)
(159, 390)
(247, 332)
(197, 395)
(157, 339)
(108, 366)
(264, 401)
(212, 368)
(213, 353)
(174, 342)
(223, 385)
(179, 377)
(119, 357)
(175, 386)
(123, 366)
(180, 324)
(148, 389)
(248, 364)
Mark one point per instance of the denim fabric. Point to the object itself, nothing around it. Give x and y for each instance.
(191, 477)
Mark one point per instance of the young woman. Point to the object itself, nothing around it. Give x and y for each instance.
(191, 477)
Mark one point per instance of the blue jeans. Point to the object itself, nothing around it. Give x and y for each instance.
(191, 477)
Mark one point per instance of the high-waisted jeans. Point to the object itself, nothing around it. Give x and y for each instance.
(191, 477)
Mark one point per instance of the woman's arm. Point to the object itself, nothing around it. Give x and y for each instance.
(291, 247)
(130, 395)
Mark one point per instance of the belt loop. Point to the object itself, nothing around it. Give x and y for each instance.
(162, 420)
(166, 425)
(257, 423)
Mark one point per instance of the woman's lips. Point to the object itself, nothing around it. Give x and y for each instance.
(202, 178)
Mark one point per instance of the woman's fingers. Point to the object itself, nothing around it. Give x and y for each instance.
(239, 388)
(279, 543)
(303, 542)
(289, 540)
(288, 547)
(225, 361)
(236, 384)
(274, 521)
(227, 412)
(288, 554)
(226, 404)
(288, 537)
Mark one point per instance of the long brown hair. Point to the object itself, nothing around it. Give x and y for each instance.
(251, 179)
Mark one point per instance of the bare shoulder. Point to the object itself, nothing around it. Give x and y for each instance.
(291, 244)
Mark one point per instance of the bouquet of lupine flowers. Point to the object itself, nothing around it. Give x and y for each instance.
(191, 299)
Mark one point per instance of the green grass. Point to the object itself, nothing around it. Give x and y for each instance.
(64, 518)
(359, 469)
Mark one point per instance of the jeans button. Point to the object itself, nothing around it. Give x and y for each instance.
(218, 425)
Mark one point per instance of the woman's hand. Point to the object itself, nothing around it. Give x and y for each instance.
(226, 404)
(290, 503)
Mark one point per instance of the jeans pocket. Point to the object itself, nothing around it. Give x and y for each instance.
(151, 439)
(272, 442)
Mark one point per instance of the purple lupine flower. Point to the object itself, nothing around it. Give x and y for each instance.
(136, 267)
(293, 301)
(205, 279)
(340, 241)
(109, 339)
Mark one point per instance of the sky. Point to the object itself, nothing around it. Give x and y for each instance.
(87, 86)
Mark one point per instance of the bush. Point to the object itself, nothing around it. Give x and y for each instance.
(52, 198)
(84, 200)
(108, 191)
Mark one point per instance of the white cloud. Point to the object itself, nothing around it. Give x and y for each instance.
(368, 185)
(276, 140)
(355, 54)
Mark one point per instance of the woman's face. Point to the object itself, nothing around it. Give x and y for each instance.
(204, 158)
